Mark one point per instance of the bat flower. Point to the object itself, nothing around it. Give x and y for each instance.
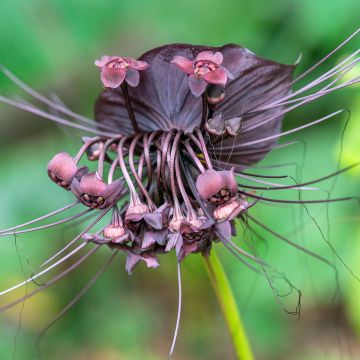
(216, 187)
(173, 159)
(205, 69)
(62, 169)
(116, 69)
(93, 192)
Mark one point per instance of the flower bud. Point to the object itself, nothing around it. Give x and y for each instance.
(216, 125)
(62, 169)
(114, 231)
(94, 150)
(215, 94)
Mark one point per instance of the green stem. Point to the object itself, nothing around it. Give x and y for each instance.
(228, 306)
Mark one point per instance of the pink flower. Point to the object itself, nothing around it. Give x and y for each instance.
(115, 69)
(217, 187)
(92, 191)
(205, 69)
(61, 169)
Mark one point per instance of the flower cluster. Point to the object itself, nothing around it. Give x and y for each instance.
(174, 131)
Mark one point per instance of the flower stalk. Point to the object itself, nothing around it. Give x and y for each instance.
(225, 297)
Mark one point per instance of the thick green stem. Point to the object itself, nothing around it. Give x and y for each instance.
(228, 306)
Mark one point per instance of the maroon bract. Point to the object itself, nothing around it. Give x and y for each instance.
(116, 69)
(62, 169)
(205, 69)
(92, 191)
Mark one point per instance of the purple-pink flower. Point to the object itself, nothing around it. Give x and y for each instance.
(116, 69)
(61, 169)
(205, 69)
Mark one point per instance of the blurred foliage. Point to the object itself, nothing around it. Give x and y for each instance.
(52, 45)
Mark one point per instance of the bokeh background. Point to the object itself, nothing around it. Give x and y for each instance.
(51, 45)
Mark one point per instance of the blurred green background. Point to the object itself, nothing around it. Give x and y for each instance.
(52, 45)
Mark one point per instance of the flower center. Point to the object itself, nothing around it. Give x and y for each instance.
(220, 197)
(64, 184)
(203, 67)
(93, 201)
(197, 236)
(117, 64)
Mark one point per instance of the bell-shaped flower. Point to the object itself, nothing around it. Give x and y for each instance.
(216, 187)
(205, 69)
(61, 169)
(93, 192)
(116, 69)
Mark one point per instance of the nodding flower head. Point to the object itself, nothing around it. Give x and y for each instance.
(92, 191)
(116, 69)
(216, 187)
(205, 69)
(61, 169)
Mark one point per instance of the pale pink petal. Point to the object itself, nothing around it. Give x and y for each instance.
(132, 77)
(218, 77)
(137, 64)
(183, 64)
(150, 260)
(92, 184)
(216, 58)
(197, 85)
(104, 60)
(112, 78)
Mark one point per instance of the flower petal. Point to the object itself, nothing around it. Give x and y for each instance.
(132, 77)
(92, 184)
(183, 64)
(217, 76)
(104, 60)
(112, 77)
(138, 65)
(63, 166)
(216, 57)
(154, 220)
(197, 85)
